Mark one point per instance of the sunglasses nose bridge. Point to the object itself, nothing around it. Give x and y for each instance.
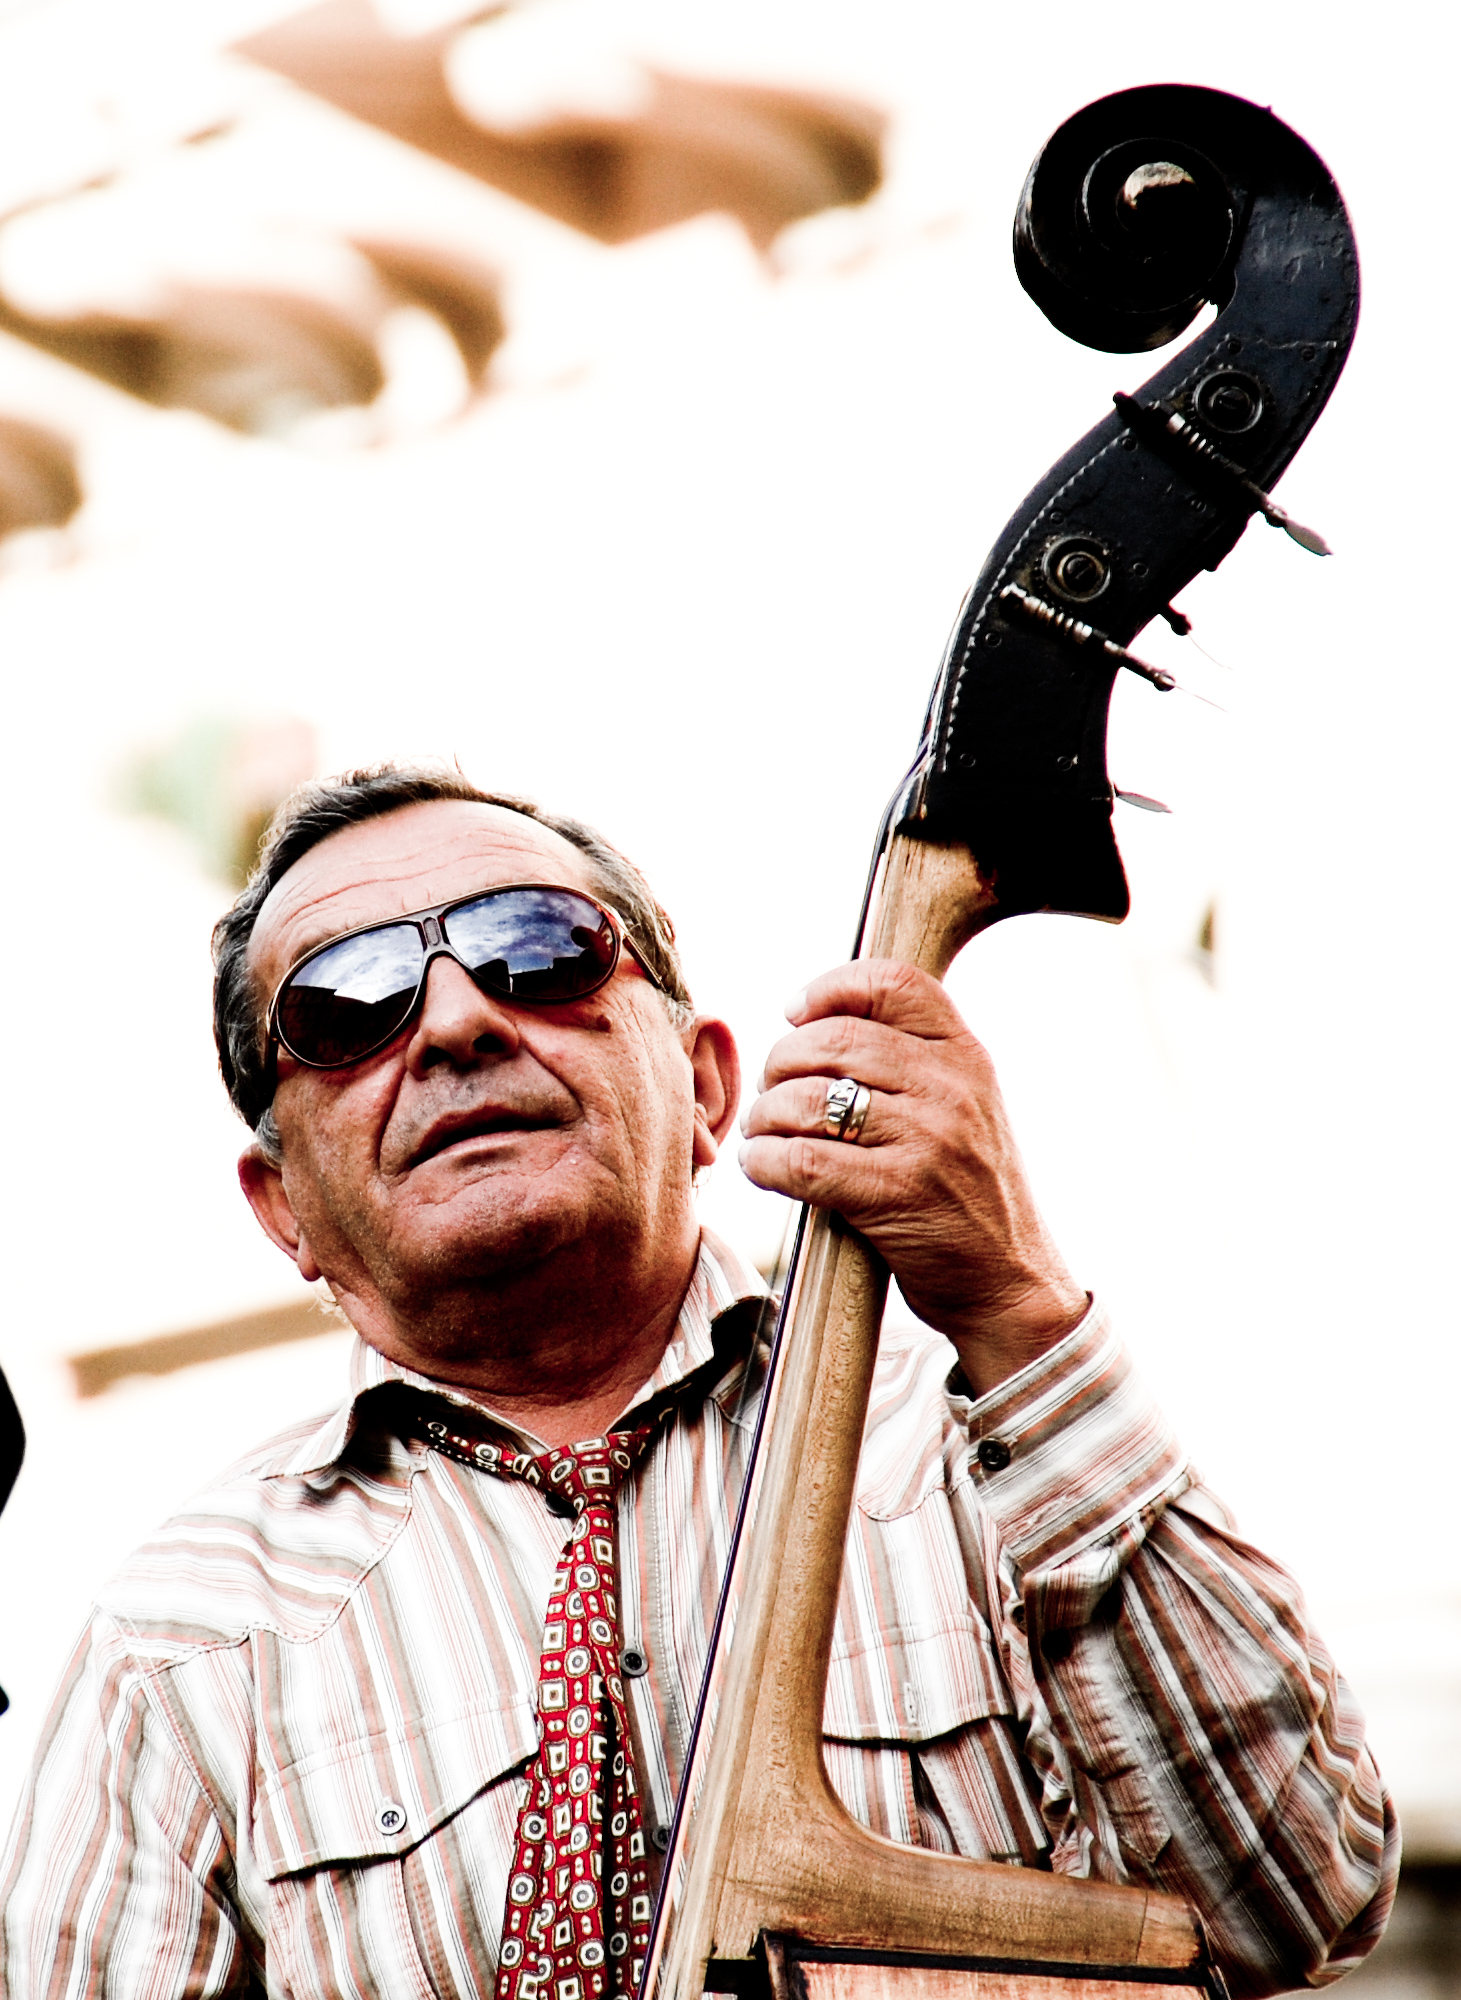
(440, 947)
(434, 946)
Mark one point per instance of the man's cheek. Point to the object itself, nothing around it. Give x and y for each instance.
(329, 1185)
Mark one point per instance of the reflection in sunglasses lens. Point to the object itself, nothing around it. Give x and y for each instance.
(534, 944)
(353, 996)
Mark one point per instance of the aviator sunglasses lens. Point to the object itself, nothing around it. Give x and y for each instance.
(352, 996)
(524, 944)
(533, 944)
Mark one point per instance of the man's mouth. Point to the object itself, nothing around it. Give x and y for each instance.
(478, 1125)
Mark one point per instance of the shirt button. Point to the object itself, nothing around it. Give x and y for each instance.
(391, 1818)
(659, 1840)
(993, 1454)
(634, 1661)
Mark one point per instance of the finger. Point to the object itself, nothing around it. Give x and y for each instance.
(826, 1172)
(882, 1058)
(880, 989)
(800, 1108)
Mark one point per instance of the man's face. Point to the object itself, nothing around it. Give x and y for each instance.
(488, 1137)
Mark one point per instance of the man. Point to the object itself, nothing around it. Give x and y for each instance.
(322, 1739)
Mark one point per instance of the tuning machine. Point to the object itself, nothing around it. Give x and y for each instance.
(1077, 568)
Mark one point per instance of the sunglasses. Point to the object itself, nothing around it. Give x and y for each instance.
(349, 997)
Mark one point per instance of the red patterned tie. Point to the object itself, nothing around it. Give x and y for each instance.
(578, 1898)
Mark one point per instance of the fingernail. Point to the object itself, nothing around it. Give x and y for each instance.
(796, 1006)
(741, 1152)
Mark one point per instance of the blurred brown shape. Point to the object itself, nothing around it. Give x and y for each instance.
(39, 483)
(302, 1319)
(257, 361)
(260, 361)
(766, 156)
(462, 294)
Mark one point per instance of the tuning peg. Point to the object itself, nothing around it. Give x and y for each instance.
(1140, 799)
(1085, 635)
(1181, 624)
(1157, 426)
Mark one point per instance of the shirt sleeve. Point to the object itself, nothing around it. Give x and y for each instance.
(116, 1881)
(1185, 1723)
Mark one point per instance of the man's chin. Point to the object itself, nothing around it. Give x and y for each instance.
(487, 1207)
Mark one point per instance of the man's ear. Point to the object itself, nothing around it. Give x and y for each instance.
(263, 1184)
(716, 1063)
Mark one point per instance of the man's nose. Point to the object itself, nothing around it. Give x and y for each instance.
(458, 1022)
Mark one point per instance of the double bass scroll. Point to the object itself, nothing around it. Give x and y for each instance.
(1138, 210)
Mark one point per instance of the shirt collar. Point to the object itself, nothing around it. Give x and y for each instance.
(709, 1327)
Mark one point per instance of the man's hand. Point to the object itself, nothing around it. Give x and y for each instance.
(935, 1180)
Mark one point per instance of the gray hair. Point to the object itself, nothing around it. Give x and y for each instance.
(315, 811)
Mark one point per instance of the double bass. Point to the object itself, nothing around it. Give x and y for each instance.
(1141, 209)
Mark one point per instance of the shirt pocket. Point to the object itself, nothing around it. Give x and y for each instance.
(372, 1893)
(914, 1670)
(913, 1657)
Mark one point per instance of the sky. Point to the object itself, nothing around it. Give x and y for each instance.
(687, 571)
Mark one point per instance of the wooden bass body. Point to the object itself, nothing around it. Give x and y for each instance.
(779, 1861)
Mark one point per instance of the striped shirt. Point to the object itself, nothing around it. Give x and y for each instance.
(287, 1754)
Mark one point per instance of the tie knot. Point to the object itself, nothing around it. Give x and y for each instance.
(588, 1473)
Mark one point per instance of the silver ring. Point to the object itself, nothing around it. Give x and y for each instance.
(847, 1108)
